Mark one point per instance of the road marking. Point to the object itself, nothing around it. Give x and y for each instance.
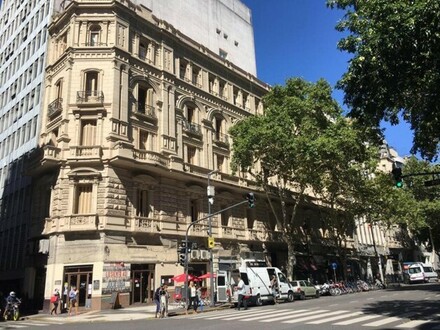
(370, 298)
(234, 313)
(246, 315)
(34, 324)
(281, 316)
(383, 321)
(353, 301)
(321, 313)
(302, 319)
(335, 318)
(357, 320)
(333, 305)
(412, 324)
(15, 326)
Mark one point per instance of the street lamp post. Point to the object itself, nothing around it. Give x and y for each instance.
(210, 192)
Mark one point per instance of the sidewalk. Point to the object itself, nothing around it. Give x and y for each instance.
(122, 314)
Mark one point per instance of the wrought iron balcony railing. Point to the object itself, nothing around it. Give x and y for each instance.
(145, 109)
(221, 138)
(192, 128)
(55, 108)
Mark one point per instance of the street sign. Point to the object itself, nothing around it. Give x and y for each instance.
(334, 265)
(431, 183)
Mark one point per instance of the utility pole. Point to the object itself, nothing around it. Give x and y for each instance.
(211, 194)
(186, 241)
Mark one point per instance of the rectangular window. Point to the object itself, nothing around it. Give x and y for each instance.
(191, 155)
(88, 133)
(223, 54)
(143, 203)
(250, 218)
(83, 199)
(220, 163)
(225, 217)
(143, 140)
(194, 210)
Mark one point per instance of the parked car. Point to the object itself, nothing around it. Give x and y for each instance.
(303, 289)
(419, 272)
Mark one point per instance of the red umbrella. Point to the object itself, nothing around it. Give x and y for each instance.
(181, 278)
(207, 275)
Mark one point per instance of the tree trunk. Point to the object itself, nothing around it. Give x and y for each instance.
(291, 259)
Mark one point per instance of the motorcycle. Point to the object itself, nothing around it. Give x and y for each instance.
(12, 311)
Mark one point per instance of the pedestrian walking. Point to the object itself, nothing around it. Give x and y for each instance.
(192, 296)
(73, 300)
(164, 299)
(241, 287)
(199, 298)
(55, 300)
(156, 300)
(274, 286)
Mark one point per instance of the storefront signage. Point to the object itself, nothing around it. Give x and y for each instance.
(116, 277)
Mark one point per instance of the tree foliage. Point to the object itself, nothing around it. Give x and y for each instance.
(395, 68)
(300, 147)
(426, 225)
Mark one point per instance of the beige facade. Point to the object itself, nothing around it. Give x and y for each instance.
(135, 117)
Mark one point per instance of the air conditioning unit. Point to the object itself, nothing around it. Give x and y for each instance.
(204, 254)
(195, 255)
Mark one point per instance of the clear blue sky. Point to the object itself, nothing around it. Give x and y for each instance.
(297, 38)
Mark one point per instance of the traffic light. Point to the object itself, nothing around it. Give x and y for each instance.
(251, 199)
(182, 253)
(397, 174)
(211, 242)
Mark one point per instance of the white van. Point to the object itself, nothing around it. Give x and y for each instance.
(419, 272)
(256, 276)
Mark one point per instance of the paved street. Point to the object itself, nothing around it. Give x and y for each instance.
(409, 307)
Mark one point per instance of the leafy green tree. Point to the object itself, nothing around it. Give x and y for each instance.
(346, 159)
(427, 225)
(395, 67)
(301, 146)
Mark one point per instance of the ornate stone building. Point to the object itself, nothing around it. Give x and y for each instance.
(135, 116)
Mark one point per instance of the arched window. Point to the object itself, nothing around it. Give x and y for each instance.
(91, 83)
(94, 35)
(145, 99)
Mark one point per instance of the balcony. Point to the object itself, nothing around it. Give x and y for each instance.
(151, 157)
(51, 153)
(192, 128)
(85, 153)
(55, 108)
(90, 98)
(146, 111)
(95, 44)
(75, 222)
(221, 139)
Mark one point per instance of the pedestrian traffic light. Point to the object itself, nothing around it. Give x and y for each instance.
(182, 253)
(397, 174)
(211, 242)
(251, 199)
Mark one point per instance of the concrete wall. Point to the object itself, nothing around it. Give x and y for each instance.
(216, 24)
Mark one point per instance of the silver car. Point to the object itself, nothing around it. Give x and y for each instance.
(303, 289)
